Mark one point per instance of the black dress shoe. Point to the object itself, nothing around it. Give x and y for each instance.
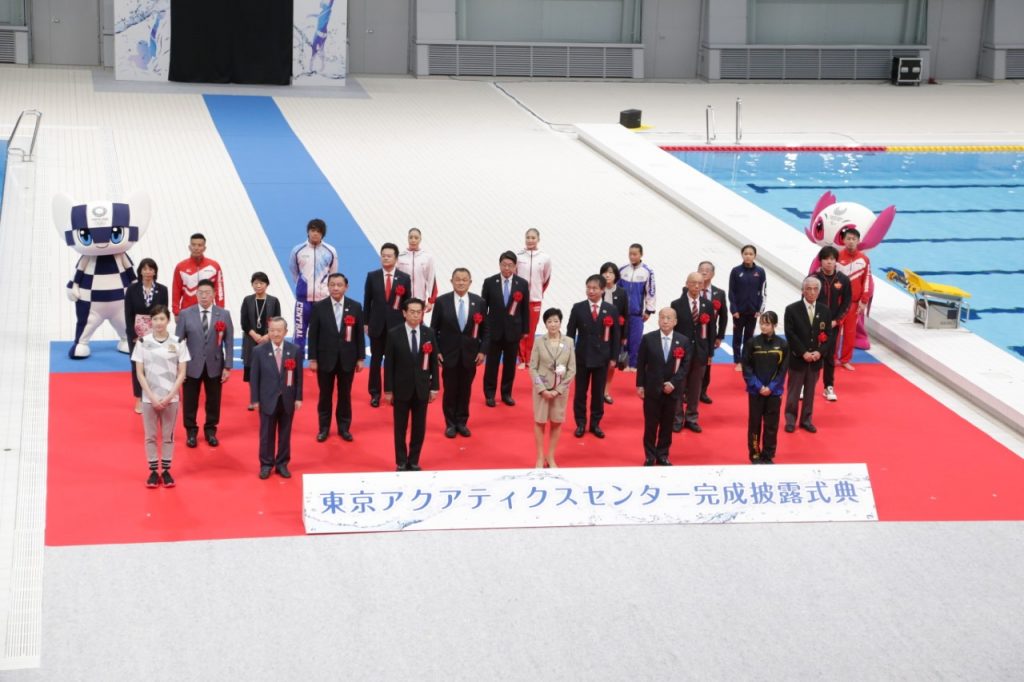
(490, 402)
(449, 432)
(648, 462)
(706, 399)
(664, 463)
(401, 467)
(580, 431)
(414, 467)
(211, 438)
(322, 436)
(596, 430)
(790, 428)
(282, 470)
(463, 431)
(811, 428)
(191, 441)
(676, 428)
(694, 426)
(346, 436)
(608, 399)
(508, 400)
(375, 401)
(264, 473)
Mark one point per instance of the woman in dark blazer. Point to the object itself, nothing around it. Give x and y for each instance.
(615, 295)
(257, 309)
(139, 298)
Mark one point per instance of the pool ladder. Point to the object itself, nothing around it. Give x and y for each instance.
(26, 155)
(710, 129)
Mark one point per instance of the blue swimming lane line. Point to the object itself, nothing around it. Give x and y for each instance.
(285, 185)
(804, 214)
(765, 189)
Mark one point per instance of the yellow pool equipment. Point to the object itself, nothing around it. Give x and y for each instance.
(936, 306)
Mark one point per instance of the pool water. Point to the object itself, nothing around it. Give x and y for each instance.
(959, 216)
(3, 168)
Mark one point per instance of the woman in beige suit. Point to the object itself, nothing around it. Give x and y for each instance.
(552, 368)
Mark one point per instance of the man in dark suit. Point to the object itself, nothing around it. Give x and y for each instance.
(807, 324)
(507, 296)
(693, 315)
(385, 292)
(719, 319)
(462, 340)
(410, 381)
(275, 388)
(207, 331)
(337, 349)
(661, 366)
(594, 326)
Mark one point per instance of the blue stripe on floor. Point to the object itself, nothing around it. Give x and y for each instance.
(285, 185)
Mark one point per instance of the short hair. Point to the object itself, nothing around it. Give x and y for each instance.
(708, 263)
(147, 263)
(465, 270)
(771, 316)
(508, 255)
(277, 318)
(552, 312)
(828, 252)
(259, 276)
(596, 278)
(610, 266)
(160, 309)
(748, 246)
(197, 235)
(335, 275)
(638, 247)
(409, 301)
(205, 283)
(389, 245)
(318, 225)
(534, 230)
(849, 230)
(811, 279)
(416, 230)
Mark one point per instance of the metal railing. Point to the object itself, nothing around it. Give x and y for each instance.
(710, 131)
(26, 155)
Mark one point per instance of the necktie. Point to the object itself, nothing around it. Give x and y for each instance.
(206, 323)
(387, 286)
(665, 341)
(506, 292)
(593, 313)
(462, 313)
(693, 309)
(415, 343)
(810, 313)
(337, 314)
(277, 357)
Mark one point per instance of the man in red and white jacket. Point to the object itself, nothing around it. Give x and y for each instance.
(189, 272)
(856, 265)
(534, 266)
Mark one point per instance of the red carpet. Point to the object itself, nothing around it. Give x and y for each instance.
(926, 463)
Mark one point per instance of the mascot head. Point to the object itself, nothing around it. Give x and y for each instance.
(101, 228)
(831, 218)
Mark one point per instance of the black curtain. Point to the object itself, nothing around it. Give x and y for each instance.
(231, 41)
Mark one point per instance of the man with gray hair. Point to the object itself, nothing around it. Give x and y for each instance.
(807, 324)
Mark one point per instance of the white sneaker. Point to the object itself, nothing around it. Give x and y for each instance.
(830, 394)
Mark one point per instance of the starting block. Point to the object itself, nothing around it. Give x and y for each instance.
(936, 306)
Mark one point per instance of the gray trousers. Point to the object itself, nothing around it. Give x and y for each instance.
(687, 410)
(801, 376)
(164, 420)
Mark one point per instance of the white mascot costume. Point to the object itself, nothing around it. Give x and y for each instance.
(102, 232)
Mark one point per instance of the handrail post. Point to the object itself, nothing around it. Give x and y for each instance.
(710, 133)
(25, 156)
(739, 127)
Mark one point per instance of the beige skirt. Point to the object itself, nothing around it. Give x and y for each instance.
(545, 411)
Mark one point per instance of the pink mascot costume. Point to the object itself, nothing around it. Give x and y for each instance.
(828, 224)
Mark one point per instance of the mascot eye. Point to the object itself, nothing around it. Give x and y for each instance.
(85, 237)
(116, 235)
(819, 229)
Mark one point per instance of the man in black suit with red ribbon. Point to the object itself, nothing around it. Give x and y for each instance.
(337, 350)
(594, 326)
(694, 322)
(719, 319)
(385, 292)
(462, 340)
(662, 363)
(507, 296)
(807, 324)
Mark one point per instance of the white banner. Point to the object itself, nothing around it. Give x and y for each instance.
(512, 498)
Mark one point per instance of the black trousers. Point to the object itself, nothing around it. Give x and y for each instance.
(659, 411)
(211, 385)
(508, 352)
(377, 344)
(707, 380)
(136, 386)
(416, 408)
(762, 425)
(343, 412)
(742, 330)
(458, 384)
(801, 375)
(691, 394)
(828, 368)
(275, 436)
(594, 378)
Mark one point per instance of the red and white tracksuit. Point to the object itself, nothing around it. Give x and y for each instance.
(534, 266)
(856, 266)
